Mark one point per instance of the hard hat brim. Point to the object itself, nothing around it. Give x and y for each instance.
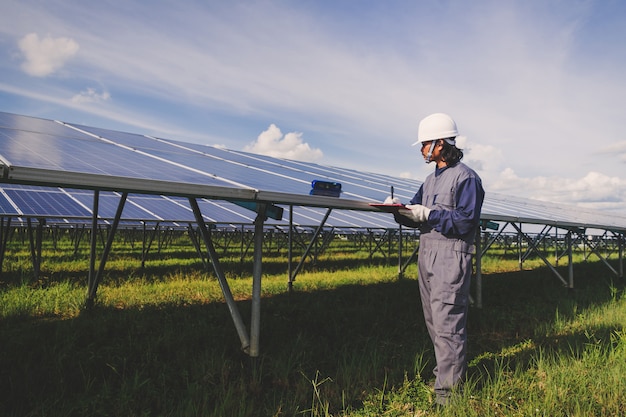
(451, 140)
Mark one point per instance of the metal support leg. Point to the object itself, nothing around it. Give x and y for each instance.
(93, 287)
(147, 242)
(196, 244)
(91, 281)
(570, 261)
(290, 250)
(479, 276)
(519, 245)
(255, 322)
(221, 278)
(400, 271)
(35, 245)
(620, 237)
(4, 239)
(410, 259)
(308, 249)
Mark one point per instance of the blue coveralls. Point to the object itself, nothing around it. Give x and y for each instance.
(455, 196)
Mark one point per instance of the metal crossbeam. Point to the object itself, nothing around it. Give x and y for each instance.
(531, 244)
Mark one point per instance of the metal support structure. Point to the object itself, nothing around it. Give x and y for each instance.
(326, 241)
(319, 229)
(245, 244)
(221, 278)
(492, 240)
(539, 238)
(410, 259)
(242, 248)
(519, 245)
(400, 270)
(91, 280)
(531, 244)
(95, 279)
(378, 243)
(4, 239)
(255, 321)
(290, 249)
(594, 249)
(35, 245)
(620, 238)
(556, 246)
(479, 276)
(77, 237)
(196, 245)
(146, 242)
(570, 261)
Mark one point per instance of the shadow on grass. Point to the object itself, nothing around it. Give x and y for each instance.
(520, 308)
(185, 360)
(131, 267)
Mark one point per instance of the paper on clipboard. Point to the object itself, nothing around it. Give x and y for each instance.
(390, 208)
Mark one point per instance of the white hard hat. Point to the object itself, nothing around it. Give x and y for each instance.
(437, 126)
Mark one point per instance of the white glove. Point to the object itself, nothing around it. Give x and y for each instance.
(389, 200)
(415, 212)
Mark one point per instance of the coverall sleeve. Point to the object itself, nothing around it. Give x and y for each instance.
(417, 198)
(464, 219)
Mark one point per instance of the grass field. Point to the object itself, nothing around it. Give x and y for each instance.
(349, 341)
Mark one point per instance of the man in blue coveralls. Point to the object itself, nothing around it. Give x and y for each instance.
(446, 209)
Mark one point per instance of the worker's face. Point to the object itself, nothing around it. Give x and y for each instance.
(436, 155)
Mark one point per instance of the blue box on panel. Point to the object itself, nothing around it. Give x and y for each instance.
(327, 188)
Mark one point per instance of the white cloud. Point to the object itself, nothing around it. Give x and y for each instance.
(483, 157)
(617, 149)
(594, 190)
(90, 95)
(45, 56)
(290, 146)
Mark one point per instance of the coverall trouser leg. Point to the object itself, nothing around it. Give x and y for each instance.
(444, 279)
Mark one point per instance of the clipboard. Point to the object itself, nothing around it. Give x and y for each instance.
(389, 208)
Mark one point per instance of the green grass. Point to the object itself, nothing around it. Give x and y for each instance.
(349, 341)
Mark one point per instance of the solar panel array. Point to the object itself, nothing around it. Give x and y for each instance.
(71, 206)
(48, 168)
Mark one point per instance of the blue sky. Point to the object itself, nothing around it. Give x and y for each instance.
(536, 86)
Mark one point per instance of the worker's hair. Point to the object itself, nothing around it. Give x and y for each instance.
(450, 153)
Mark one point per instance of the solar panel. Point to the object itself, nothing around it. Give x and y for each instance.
(45, 152)
(7, 208)
(44, 203)
(20, 123)
(248, 170)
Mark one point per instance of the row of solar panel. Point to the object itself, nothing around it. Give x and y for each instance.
(48, 145)
(70, 205)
